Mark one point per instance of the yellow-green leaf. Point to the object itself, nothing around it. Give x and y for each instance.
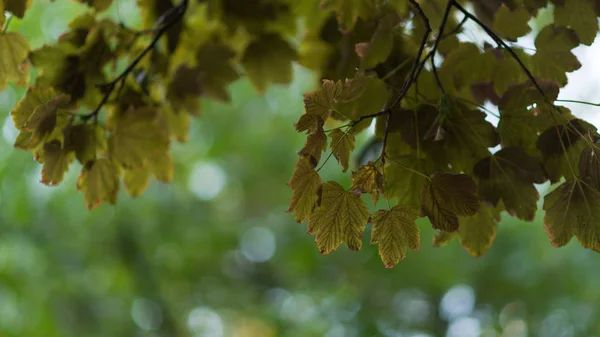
(55, 162)
(368, 179)
(477, 232)
(553, 57)
(135, 181)
(319, 102)
(342, 144)
(380, 46)
(579, 15)
(137, 136)
(34, 98)
(305, 183)
(447, 196)
(340, 217)
(512, 24)
(348, 11)
(269, 60)
(441, 238)
(395, 231)
(99, 181)
(86, 140)
(48, 121)
(13, 57)
(316, 144)
(573, 209)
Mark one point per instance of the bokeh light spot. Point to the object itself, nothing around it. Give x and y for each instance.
(207, 180)
(258, 244)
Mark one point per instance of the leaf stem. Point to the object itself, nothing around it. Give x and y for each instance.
(5, 28)
(578, 102)
(409, 169)
(109, 87)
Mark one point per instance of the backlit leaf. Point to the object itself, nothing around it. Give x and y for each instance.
(509, 176)
(269, 60)
(395, 231)
(580, 16)
(340, 217)
(99, 181)
(553, 58)
(55, 162)
(477, 232)
(348, 11)
(573, 209)
(342, 144)
(13, 57)
(316, 144)
(305, 183)
(135, 181)
(368, 179)
(447, 196)
(512, 24)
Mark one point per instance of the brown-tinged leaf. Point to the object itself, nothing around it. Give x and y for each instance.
(395, 231)
(342, 144)
(99, 181)
(573, 209)
(13, 57)
(55, 162)
(441, 238)
(340, 217)
(447, 196)
(316, 144)
(305, 183)
(368, 179)
(509, 175)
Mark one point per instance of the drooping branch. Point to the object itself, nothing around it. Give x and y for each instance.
(163, 24)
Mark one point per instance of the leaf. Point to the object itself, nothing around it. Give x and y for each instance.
(99, 181)
(316, 144)
(47, 121)
(55, 162)
(136, 136)
(370, 96)
(447, 196)
(318, 104)
(135, 181)
(305, 183)
(553, 143)
(217, 70)
(580, 16)
(380, 46)
(395, 231)
(441, 238)
(14, 49)
(160, 164)
(403, 180)
(348, 11)
(553, 57)
(477, 232)
(573, 209)
(512, 24)
(368, 179)
(269, 59)
(589, 166)
(97, 5)
(17, 7)
(524, 115)
(85, 140)
(340, 217)
(467, 65)
(509, 176)
(508, 72)
(342, 144)
(34, 97)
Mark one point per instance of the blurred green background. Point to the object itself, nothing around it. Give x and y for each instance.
(215, 255)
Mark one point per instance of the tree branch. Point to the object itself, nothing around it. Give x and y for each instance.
(165, 21)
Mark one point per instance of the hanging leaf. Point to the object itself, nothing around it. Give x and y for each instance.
(99, 181)
(306, 184)
(13, 56)
(580, 16)
(342, 144)
(447, 196)
(395, 231)
(477, 232)
(340, 217)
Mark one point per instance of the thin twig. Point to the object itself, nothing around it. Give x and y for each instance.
(437, 42)
(457, 28)
(5, 28)
(109, 87)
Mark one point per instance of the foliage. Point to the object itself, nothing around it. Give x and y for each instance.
(115, 98)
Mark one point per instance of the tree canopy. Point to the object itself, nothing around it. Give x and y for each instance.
(114, 98)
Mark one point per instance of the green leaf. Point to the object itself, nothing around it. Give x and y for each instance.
(380, 46)
(161, 165)
(447, 196)
(580, 16)
(97, 5)
(316, 144)
(135, 181)
(217, 70)
(340, 217)
(34, 97)
(509, 176)
(318, 103)
(342, 144)
(512, 24)
(561, 147)
(136, 137)
(99, 181)
(524, 115)
(305, 183)
(269, 59)
(477, 232)
(553, 58)
(48, 121)
(14, 49)
(441, 238)
(395, 231)
(589, 165)
(467, 65)
(348, 11)
(85, 140)
(573, 209)
(55, 162)
(370, 96)
(508, 73)
(405, 178)
(368, 179)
